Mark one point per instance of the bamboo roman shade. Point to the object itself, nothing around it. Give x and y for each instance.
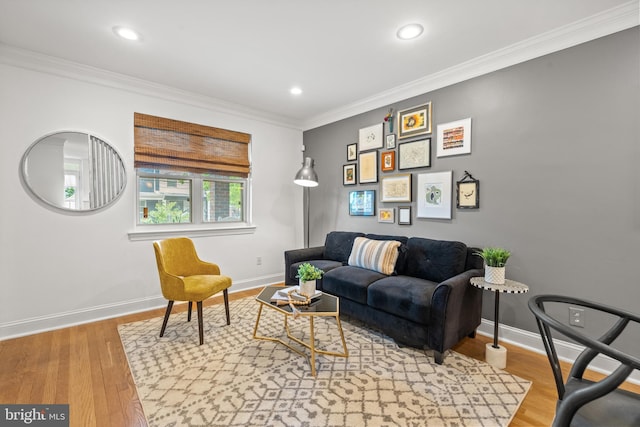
(161, 143)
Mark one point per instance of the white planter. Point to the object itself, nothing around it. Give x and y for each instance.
(308, 288)
(494, 275)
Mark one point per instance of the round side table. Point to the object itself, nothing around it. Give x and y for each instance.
(495, 354)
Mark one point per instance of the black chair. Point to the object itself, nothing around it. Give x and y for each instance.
(582, 402)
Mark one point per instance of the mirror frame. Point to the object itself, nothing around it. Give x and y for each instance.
(28, 184)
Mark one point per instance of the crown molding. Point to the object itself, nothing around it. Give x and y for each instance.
(34, 61)
(608, 22)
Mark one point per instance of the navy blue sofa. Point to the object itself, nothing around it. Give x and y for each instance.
(427, 302)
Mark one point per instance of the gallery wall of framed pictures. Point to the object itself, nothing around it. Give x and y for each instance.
(379, 152)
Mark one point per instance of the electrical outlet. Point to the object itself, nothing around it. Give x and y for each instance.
(576, 317)
(259, 260)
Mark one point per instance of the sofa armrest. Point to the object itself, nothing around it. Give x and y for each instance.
(299, 255)
(456, 310)
(306, 254)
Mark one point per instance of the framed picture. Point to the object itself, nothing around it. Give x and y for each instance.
(434, 195)
(370, 137)
(349, 174)
(404, 215)
(362, 203)
(396, 188)
(415, 154)
(391, 141)
(368, 168)
(414, 121)
(388, 161)
(468, 192)
(387, 215)
(454, 138)
(352, 152)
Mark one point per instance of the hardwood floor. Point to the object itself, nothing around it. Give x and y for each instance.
(85, 366)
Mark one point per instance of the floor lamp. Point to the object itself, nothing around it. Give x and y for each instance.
(306, 177)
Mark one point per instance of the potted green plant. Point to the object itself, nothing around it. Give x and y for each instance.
(307, 275)
(495, 260)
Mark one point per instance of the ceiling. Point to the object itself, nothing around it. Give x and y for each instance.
(342, 53)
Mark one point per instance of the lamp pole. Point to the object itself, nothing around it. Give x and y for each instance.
(306, 177)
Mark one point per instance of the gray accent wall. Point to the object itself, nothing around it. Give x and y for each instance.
(556, 147)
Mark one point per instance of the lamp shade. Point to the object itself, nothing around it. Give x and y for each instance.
(307, 176)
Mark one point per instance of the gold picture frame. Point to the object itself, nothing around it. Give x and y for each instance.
(414, 121)
(395, 188)
(387, 215)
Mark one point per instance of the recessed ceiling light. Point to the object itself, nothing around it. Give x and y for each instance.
(126, 33)
(296, 90)
(410, 31)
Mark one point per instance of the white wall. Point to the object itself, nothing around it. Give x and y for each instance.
(58, 269)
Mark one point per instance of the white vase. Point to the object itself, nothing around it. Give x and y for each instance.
(308, 288)
(494, 275)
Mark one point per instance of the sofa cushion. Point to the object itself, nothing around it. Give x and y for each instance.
(401, 239)
(350, 282)
(337, 245)
(404, 296)
(377, 255)
(434, 260)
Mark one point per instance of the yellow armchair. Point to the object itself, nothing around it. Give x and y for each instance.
(185, 277)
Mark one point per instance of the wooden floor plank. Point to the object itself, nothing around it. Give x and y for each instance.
(86, 367)
(51, 375)
(82, 410)
(101, 380)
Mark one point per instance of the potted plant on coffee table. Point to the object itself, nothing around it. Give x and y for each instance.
(307, 275)
(495, 260)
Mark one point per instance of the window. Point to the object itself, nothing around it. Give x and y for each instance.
(190, 174)
(223, 199)
(163, 198)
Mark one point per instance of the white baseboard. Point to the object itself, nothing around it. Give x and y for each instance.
(567, 351)
(35, 325)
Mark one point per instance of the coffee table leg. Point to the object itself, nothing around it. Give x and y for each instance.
(255, 328)
(312, 347)
(344, 343)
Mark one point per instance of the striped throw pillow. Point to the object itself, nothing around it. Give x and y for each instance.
(377, 255)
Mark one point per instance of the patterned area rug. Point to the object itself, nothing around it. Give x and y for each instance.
(235, 380)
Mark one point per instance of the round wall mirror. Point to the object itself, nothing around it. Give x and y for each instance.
(73, 171)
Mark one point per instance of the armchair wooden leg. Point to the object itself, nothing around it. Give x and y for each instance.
(200, 326)
(189, 311)
(226, 304)
(166, 317)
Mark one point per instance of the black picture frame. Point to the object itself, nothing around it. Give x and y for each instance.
(414, 154)
(404, 215)
(468, 192)
(349, 174)
(352, 152)
(362, 203)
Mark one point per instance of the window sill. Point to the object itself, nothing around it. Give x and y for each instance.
(155, 234)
